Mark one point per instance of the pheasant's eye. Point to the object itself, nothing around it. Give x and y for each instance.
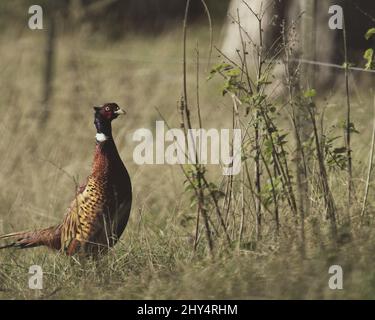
(106, 109)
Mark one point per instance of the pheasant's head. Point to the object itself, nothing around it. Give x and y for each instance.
(103, 118)
(108, 111)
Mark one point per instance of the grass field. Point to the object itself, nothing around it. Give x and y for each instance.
(155, 257)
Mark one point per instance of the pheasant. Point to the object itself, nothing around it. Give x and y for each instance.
(100, 210)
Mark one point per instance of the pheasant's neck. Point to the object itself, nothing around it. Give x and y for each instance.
(106, 158)
(103, 130)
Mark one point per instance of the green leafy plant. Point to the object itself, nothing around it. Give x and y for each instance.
(369, 53)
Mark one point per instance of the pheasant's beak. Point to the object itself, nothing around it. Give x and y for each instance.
(120, 111)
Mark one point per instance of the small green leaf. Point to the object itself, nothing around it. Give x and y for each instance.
(369, 33)
(233, 73)
(310, 93)
(369, 56)
(221, 67)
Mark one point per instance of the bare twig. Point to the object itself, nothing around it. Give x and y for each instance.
(370, 165)
(348, 126)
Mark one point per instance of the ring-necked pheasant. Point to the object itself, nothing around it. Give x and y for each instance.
(100, 210)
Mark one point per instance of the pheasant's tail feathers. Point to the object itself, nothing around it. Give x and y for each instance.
(49, 237)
